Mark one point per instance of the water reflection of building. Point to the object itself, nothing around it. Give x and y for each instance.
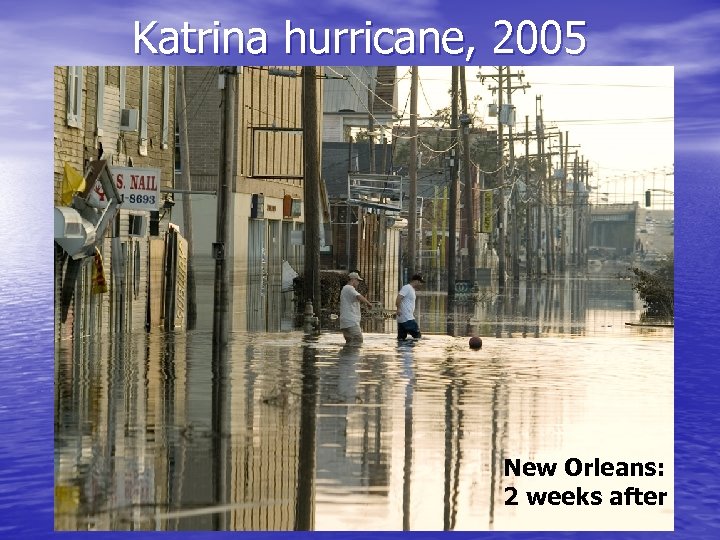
(152, 433)
(568, 305)
(119, 409)
(139, 448)
(439, 426)
(355, 432)
(245, 475)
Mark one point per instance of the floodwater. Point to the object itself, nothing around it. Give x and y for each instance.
(277, 431)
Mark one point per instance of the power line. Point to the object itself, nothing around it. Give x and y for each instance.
(601, 121)
(599, 85)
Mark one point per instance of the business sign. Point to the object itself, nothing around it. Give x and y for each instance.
(139, 188)
(487, 217)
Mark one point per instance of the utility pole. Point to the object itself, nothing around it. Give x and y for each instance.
(528, 242)
(187, 207)
(311, 187)
(504, 82)
(452, 216)
(371, 129)
(562, 208)
(558, 190)
(586, 215)
(578, 217)
(511, 147)
(412, 173)
(468, 192)
(348, 208)
(550, 208)
(501, 185)
(540, 130)
(221, 309)
(565, 150)
(576, 172)
(566, 204)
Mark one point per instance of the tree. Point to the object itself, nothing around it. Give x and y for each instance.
(657, 288)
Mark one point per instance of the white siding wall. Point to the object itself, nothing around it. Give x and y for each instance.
(333, 128)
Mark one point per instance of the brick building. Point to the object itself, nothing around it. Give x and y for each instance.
(126, 117)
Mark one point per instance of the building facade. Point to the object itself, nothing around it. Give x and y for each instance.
(266, 207)
(119, 117)
(361, 103)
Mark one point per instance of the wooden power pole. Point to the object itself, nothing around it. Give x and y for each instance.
(505, 84)
(501, 186)
(311, 187)
(468, 199)
(221, 308)
(529, 259)
(539, 129)
(452, 203)
(412, 174)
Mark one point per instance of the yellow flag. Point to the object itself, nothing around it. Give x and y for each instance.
(99, 283)
(72, 182)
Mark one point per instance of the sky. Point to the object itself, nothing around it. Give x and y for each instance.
(622, 117)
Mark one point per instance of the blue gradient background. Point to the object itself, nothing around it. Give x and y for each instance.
(34, 36)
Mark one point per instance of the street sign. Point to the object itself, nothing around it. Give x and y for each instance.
(139, 188)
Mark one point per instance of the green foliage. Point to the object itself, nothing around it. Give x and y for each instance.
(483, 149)
(657, 288)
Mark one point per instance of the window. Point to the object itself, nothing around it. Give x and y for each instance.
(136, 225)
(74, 96)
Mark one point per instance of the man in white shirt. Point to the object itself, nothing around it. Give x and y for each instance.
(405, 304)
(350, 300)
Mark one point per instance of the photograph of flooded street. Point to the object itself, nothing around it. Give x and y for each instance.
(382, 298)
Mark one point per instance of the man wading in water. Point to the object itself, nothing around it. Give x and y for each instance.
(405, 303)
(350, 300)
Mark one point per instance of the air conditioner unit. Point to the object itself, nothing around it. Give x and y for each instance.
(129, 120)
(73, 233)
(291, 207)
(257, 206)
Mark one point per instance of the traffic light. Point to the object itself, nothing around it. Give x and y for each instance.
(647, 198)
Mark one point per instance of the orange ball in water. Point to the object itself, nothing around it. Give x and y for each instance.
(475, 343)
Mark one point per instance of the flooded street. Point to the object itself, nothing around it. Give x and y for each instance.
(282, 432)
